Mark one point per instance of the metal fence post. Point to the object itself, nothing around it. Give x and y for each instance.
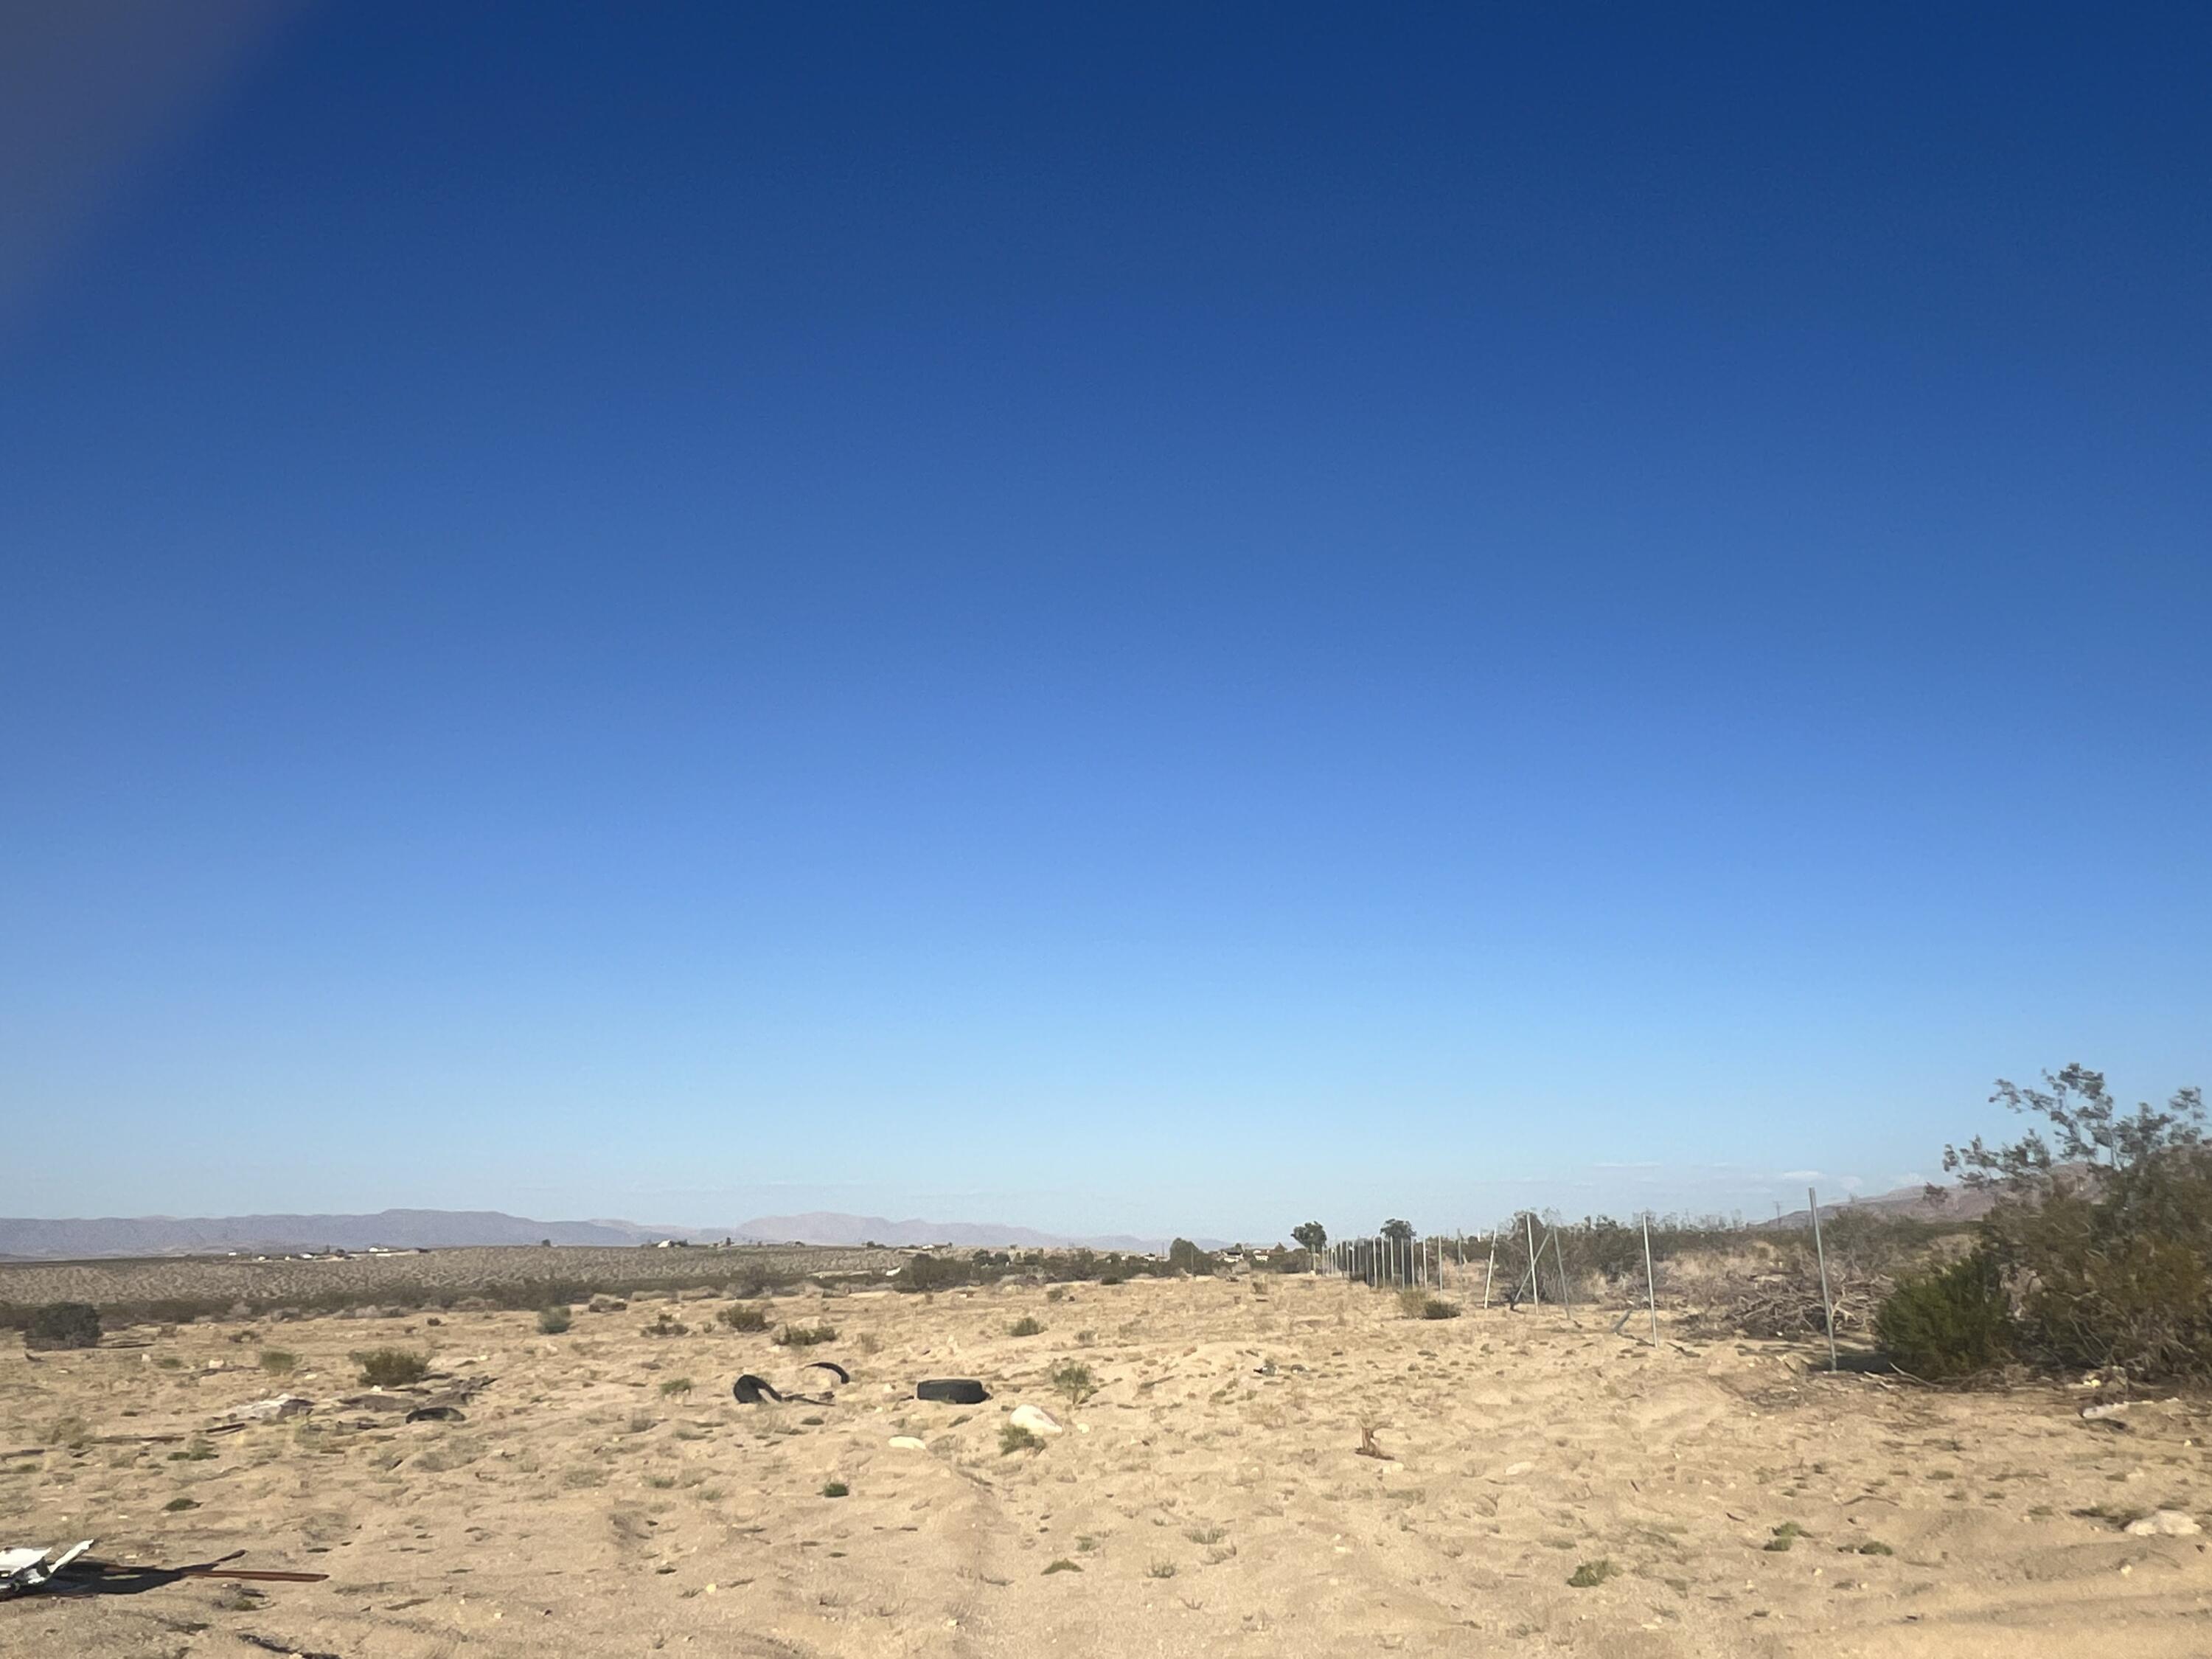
(1827, 1307)
(1651, 1286)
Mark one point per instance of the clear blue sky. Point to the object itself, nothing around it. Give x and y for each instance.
(1165, 618)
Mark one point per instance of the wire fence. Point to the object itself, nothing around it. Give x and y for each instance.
(1600, 1264)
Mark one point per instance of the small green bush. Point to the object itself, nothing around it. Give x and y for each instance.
(1014, 1437)
(1954, 1322)
(1437, 1307)
(1591, 1574)
(805, 1336)
(552, 1322)
(743, 1316)
(835, 1489)
(64, 1325)
(1075, 1382)
(278, 1361)
(391, 1367)
(675, 1386)
(1026, 1326)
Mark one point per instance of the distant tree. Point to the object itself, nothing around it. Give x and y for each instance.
(1313, 1239)
(1400, 1233)
(1185, 1257)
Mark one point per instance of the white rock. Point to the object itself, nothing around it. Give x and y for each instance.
(908, 1443)
(1034, 1419)
(2165, 1523)
(276, 1406)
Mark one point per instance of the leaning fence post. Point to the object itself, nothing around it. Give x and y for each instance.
(1535, 1289)
(1651, 1286)
(1827, 1307)
(1491, 1272)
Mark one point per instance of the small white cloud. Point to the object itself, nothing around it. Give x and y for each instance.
(1801, 1175)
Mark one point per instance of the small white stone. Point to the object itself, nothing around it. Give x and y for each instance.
(2165, 1523)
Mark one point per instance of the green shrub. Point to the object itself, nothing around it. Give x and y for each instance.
(552, 1322)
(743, 1316)
(835, 1489)
(1950, 1323)
(1435, 1307)
(1026, 1326)
(1075, 1382)
(1014, 1437)
(932, 1273)
(1591, 1574)
(278, 1361)
(805, 1336)
(2103, 1229)
(391, 1367)
(64, 1325)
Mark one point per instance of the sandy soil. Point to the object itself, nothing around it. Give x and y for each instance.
(1208, 1499)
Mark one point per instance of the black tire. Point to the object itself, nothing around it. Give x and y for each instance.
(952, 1390)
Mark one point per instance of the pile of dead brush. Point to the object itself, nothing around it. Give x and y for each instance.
(1785, 1302)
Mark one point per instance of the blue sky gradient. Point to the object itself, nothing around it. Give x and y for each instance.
(1168, 619)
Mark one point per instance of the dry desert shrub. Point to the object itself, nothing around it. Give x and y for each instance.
(391, 1367)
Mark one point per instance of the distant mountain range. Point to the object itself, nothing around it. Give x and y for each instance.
(25, 1239)
(1906, 1203)
(824, 1227)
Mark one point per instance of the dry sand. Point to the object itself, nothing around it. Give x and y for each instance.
(1209, 1498)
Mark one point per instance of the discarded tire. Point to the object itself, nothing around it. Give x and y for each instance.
(952, 1390)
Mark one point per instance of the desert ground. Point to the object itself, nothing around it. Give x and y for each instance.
(1209, 1498)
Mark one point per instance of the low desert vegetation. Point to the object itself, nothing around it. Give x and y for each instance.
(1026, 1326)
(1947, 1322)
(554, 1321)
(1014, 1437)
(279, 1362)
(63, 1325)
(742, 1317)
(2096, 1256)
(391, 1367)
(1074, 1383)
(805, 1336)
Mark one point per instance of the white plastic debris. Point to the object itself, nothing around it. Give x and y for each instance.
(22, 1570)
(1034, 1419)
(2165, 1523)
